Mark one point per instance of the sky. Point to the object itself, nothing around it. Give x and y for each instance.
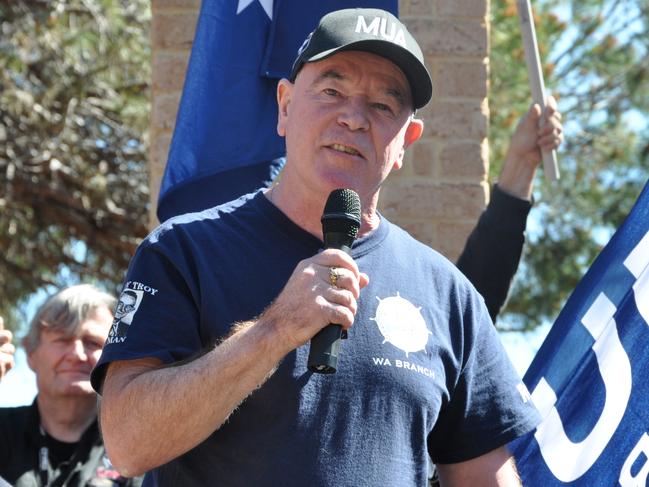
(19, 385)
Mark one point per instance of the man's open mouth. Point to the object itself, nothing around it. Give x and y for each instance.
(346, 149)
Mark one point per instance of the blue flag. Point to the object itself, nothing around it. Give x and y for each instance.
(590, 378)
(225, 141)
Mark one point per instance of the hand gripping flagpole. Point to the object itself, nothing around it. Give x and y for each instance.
(550, 165)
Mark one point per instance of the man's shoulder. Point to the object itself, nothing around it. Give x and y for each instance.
(444, 271)
(206, 225)
(15, 414)
(16, 422)
(209, 215)
(15, 409)
(407, 242)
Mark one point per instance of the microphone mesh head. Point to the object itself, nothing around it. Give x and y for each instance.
(342, 213)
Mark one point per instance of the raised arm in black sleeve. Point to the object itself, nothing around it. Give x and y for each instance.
(493, 250)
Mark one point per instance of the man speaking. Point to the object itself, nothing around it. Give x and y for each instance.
(209, 383)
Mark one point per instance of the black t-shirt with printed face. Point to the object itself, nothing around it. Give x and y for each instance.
(31, 457)
(59, 451)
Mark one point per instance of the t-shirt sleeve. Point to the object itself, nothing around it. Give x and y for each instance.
(156, 315)
(489, 405)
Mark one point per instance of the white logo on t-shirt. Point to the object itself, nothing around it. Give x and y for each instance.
(401, 324)
(127, 305)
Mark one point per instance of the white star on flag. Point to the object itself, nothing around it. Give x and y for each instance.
(267, 5)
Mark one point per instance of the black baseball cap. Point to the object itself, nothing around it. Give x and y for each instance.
(370, 30)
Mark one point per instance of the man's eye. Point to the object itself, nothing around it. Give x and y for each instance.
(383, 107)
(331, 92)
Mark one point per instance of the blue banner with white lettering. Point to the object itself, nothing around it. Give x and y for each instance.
(225, 141)
(590, 378)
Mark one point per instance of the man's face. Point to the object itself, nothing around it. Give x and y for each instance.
(347, 121)
(63, 363)
(125, 305)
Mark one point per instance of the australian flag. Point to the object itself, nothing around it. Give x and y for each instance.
(225, 141)
(590, 379)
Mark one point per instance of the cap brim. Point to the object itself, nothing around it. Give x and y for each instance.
(415, 71)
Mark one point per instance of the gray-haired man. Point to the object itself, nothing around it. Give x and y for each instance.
(56, 440)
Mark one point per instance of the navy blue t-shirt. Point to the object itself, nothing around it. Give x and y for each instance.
(422, 372)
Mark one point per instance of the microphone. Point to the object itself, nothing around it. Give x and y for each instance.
(341, 220)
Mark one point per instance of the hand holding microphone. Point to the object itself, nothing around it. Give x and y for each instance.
(341, 220)
(318, 302)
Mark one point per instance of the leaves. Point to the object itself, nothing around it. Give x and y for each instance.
(74, 105)
(596, 50)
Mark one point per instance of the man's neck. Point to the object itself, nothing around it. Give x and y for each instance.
(67, 418)
(306, 212)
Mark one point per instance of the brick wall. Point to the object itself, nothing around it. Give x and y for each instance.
(442, 188)
(172, 31)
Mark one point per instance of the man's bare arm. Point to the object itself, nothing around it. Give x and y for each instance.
(151, 414)
(493, 469)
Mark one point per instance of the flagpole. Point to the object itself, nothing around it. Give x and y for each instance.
(550, 164)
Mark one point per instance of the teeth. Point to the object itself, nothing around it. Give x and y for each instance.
(345, 149)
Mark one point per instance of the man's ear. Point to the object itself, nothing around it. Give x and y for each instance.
(284, 90)
(413, 133)
(30, 359)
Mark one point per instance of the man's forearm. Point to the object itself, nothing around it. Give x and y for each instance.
(152, 414)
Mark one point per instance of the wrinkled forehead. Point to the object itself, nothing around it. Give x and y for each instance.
(356, 66)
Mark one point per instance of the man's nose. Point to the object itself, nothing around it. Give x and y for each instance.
(78, 350)
(354, 114)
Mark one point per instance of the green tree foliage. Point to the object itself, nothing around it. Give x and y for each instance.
(594, 56)
(74, 105)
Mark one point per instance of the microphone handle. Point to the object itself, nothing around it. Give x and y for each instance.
(325, 345)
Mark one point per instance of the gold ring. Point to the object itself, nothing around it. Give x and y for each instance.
(333, 276)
